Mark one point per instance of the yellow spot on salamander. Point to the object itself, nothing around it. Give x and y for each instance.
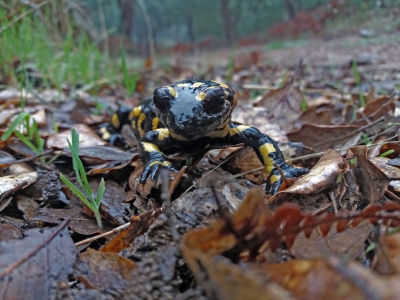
(196, 84)
(115, 121)
(149, 147)
(140, 121)
(177, 136)
(218, 133)
(201, 96)
(172, 91)
(274, 178)
(238, 129)
(221, 84)
(135, 112)
(181, 85)
(155, 123)
(106, 136)
(162, 133)
(223, 124)
(164, 163)
(265, 150)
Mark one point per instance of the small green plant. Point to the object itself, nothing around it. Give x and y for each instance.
(129, 81)
(358, 82)
(303, 104)
(387, 153)
(90, 200)
(284, 79)
(32, 132)
(365, 139)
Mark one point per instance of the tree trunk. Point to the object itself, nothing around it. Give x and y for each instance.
(227, 19)
(290, 8)
(127, 13)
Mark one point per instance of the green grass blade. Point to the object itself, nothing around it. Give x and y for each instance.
(29, 131)
(81, 170)
(358, 82)
(39, 141)
(100, 192)
(387, 153)
(22, 115)
(129, 81)
(77, 192)
(74, 164)
(27, 142)
(75, 140)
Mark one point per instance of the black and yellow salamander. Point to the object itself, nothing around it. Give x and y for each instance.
(195, 114)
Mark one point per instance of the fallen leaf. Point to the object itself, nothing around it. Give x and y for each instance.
(309, 191)
(284, 105)
(371, 181)
(322, 137)
(36, 263)
(79, 222)
(349, 243)
(87, 138)
(106, 272)
(9, 232)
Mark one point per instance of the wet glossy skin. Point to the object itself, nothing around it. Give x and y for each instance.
(195, 114)
(185, 113)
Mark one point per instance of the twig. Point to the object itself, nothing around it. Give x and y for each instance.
(166, 197)
(11, 267)
(351, 133)
(283, 175)
(334, 202)
(93, 238)
(4, 165)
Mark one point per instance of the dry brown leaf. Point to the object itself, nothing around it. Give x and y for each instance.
(284, 105)
(309, 191)
(106, 272)
(224, 235)
(79, 222)
(372, 182)
(349, 243)
(222, 279)
(9, 232)
(139, 225)
(322, 137)
(87, 138)
(381, 107)
(32, 267)
(312, 279)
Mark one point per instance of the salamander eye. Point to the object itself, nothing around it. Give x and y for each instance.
(214, 100)
(162, 97)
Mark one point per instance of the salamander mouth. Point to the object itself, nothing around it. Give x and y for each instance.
(196, 127)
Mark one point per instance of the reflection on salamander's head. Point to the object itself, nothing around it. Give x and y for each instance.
(193, 108)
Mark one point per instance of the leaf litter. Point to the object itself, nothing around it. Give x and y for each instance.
(220, 237)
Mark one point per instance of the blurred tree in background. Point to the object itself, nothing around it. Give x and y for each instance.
(206, 22)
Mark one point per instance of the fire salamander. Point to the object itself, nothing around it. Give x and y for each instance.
(195, 114)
